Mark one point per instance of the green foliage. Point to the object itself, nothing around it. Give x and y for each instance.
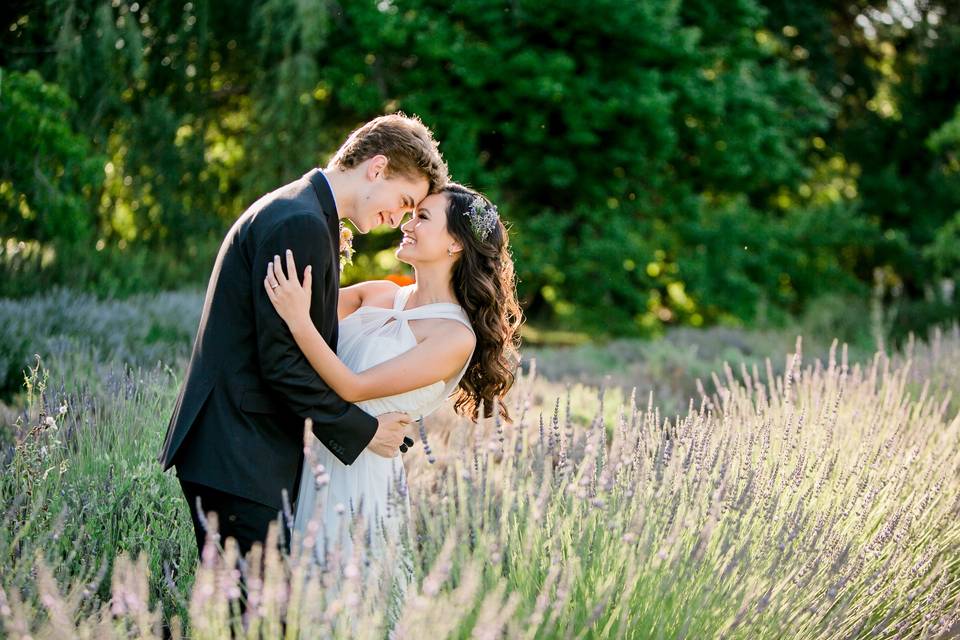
(661, 163)
(48, 171)
(608, 132)
(947, 138)
(890, 72)
(944, 251)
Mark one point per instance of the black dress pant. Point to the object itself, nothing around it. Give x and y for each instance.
(244, 520)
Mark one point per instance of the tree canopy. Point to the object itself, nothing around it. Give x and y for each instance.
(659, 162)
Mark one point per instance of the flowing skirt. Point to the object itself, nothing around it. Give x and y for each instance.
(358, 517)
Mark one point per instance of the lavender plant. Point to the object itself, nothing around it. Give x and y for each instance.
(933, 364)
(823, 502)
(70, 329)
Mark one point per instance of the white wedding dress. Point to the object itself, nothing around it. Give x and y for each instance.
(373, 486)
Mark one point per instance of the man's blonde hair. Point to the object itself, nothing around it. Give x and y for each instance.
(406, 142)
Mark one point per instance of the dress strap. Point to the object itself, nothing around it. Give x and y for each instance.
(371, 318)
(440, 311)
(401, 297)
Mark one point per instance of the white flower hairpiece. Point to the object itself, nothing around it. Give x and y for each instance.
(483, 217)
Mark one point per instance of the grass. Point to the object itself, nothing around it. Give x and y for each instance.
(82, 482)
(803, 497)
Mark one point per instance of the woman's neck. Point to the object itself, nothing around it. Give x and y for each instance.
(431, 287)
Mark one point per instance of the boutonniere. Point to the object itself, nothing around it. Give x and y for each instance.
(346, 246)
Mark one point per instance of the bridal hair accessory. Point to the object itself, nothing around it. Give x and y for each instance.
(483, 217)
(346, 246)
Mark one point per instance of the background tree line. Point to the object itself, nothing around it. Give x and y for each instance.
(661, 162)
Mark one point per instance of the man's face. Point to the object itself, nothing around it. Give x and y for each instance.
(385, 200)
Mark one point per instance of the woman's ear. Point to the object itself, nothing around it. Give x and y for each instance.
(377, 166)
(455, 247)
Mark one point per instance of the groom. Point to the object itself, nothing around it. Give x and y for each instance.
(236, 434)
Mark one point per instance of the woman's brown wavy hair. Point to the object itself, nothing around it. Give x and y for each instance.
(485, 286)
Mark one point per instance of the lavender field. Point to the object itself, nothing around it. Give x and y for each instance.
(644, 490)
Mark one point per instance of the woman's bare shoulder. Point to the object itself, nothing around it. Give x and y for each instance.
(455, 333)
(376, 292)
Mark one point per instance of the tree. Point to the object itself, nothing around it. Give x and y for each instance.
(47, 170)
(660, 162)
(891, 71)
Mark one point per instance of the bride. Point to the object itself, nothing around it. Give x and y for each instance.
(406, 349)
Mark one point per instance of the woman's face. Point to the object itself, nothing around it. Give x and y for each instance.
(425, 235)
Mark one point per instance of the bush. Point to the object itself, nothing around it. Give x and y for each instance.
(49, 174)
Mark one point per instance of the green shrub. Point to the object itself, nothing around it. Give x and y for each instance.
(50, 175)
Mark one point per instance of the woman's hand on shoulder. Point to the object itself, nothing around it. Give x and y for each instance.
(289, 298)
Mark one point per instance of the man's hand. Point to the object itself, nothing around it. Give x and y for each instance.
(390, 427)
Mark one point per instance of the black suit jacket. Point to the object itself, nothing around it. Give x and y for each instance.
(238, 423)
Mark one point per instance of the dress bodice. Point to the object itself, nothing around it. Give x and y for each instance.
(371, 335)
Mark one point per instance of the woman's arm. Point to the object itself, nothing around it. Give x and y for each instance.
(436, 358)
(344, 428)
